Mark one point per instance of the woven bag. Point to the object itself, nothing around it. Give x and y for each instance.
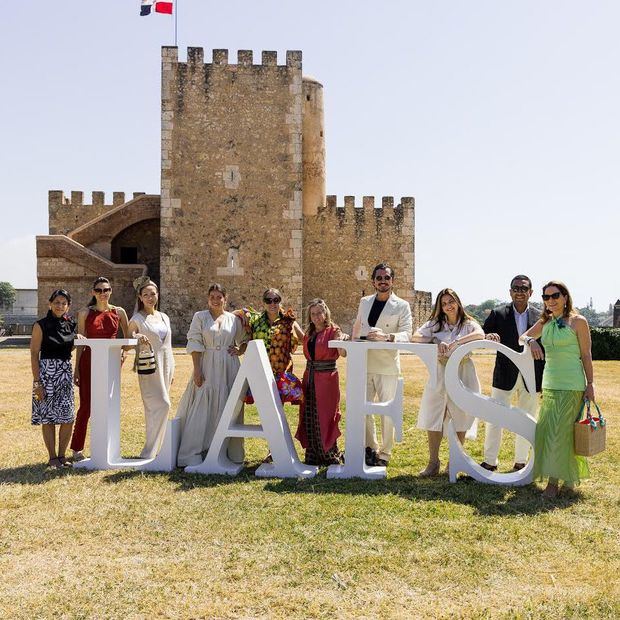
(590, 431)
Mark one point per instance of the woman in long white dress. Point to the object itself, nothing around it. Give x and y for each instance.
(449, 326)
(149, 325)
(213, 340)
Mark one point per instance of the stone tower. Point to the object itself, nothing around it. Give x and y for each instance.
(231, 179)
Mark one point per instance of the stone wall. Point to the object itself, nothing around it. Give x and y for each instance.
(66, 214)
(344, 242)
(231, 173)
(64, 263)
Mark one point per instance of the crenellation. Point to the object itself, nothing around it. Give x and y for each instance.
(368, 202)
(118, 198)
(245, 58)
(293, 59)
(387, 202)
(269, 59)
(98, 199)
(220, 57)
(170, 53)
(77, 199)
(195, 56)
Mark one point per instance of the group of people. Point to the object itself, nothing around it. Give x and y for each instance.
(558, 337)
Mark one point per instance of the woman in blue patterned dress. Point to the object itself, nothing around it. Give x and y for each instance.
(52, 393)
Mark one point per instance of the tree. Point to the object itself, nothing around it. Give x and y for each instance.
(482, 311)
(7, 295)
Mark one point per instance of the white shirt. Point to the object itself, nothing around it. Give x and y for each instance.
(520, 320)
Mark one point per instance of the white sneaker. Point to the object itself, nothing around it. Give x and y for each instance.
(78, 456)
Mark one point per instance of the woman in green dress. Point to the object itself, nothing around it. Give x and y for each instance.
(568, 380)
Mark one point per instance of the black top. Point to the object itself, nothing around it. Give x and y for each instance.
(312, 346)
(375, 311)
(58, 337)
(501, 321)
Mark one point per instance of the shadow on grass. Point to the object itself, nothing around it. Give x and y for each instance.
(36, 473)
(488, 500)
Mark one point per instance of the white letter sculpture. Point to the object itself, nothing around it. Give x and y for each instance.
(105, 413)
(358, 407)
(255, 373)
(511, 418)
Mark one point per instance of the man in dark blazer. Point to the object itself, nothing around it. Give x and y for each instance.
(505, 324)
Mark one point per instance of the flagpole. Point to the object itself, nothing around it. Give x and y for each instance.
(176, 8)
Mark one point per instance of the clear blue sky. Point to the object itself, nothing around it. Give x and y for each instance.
(501, 118)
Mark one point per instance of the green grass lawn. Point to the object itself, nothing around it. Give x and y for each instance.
(77, 544)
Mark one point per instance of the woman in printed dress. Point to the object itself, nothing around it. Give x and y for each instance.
(448, 326)
(213, 340)
(152, 328)
(100, 319)
(319, 411)
(52, 389)
(281, 333)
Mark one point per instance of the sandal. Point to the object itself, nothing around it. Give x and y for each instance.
(432, 469)
(53, 464)
(551, 492)
(65, 462)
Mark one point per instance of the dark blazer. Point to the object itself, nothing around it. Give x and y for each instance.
(502, 321)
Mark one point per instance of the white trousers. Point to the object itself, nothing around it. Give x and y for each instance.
(380, 388)
(493, 434)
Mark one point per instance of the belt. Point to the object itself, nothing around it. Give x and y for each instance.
(320, 365)
(218, 348)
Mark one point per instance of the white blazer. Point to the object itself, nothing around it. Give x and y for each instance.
(395, 318)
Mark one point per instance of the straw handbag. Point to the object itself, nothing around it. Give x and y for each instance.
(146, 360)
(590, 431)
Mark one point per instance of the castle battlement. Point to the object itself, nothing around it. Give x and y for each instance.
(370, 202)
(57, 198)
(245, 58)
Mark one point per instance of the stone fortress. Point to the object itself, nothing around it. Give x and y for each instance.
(242, 203)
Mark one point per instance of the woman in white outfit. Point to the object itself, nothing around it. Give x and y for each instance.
(449, 326)
(213, 340)
(149, 325)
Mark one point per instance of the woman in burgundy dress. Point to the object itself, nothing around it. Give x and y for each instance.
(319, 411)
(98, 320)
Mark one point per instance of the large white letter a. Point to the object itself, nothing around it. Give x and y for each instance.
(255, 373)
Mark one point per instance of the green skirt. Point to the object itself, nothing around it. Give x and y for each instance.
(554, 455)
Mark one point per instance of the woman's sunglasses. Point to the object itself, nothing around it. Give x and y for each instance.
(102, 290)
(552, 296)
(272, 300)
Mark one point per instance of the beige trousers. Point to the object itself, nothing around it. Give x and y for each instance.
(380, 388)
(493, 434)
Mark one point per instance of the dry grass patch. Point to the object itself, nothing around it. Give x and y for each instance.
(131, 545)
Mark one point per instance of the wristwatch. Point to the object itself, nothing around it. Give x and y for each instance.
(529, 339)
(391, 338)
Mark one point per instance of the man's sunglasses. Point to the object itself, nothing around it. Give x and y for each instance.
(552, 296)
(102, 290)
(519, 289)
(383, 278)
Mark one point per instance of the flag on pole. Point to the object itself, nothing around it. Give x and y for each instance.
(160, 6)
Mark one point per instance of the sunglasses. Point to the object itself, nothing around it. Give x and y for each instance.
(102, 290)
(272, 300)
(519, 289)
(552, 296)
(383, 278)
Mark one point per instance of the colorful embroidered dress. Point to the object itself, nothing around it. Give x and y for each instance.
(280, 342)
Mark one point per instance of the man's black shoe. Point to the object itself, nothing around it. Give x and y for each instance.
(488, 467)
(371, 456)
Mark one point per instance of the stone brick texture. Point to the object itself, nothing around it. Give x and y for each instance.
(235, 205)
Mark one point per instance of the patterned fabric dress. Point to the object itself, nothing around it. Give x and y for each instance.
(98, 325)
(563, 386)
(55, 371)
(319, 411)
(280, 342)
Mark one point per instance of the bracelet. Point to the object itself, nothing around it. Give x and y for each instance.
(529, 339)
(36, 384)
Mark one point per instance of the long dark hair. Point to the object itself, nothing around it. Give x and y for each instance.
(139, 302)
(438, 316)
(99, 280)
(568, 308)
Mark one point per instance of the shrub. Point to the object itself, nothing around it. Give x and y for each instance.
(605, 343)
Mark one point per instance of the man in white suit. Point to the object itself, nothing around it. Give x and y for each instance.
(382, 317)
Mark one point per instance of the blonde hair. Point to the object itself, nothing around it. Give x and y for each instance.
(310, 328)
